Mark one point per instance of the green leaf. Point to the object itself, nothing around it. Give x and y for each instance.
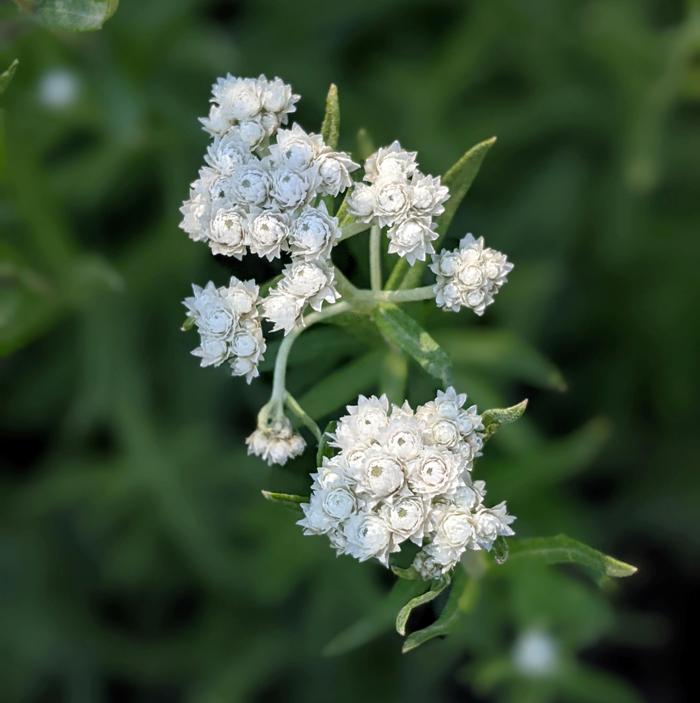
(435, 589)
(410, 574)
(288, 500)
(461, 600)
(402, 331)
(561, 549)
(330, 129)
(342, 386)
(73, 15)
(495, 417)
(458, 178)
(394, 376)
(365, 144)
(376, 622)
(324, 449)
(501, 353)
(7, 75)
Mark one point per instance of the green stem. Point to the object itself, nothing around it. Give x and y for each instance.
(375, 258)
(352, 229)
(280, 372)
(292, 403)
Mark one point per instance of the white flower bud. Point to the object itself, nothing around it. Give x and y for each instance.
(250, 184)
(334, 169)
(367, 536)
(392, 200)
(290, 188)
(276, 443)
(412, 239)
(228, 232)
(313, 233)
(268, 234)
(282, 310)
(390, 162)
(361, 202)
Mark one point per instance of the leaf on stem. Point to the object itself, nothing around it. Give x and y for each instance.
(288, 500)
(7, 75)
(324, 448)
(495, 417)
(330, 128)
(72, 15)
(403, 332)
(434, 590)
(461, 600)
(458, 178)
(561, 549)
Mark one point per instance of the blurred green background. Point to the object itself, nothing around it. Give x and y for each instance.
(137, 559)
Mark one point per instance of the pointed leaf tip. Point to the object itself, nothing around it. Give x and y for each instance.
(495, 417)
(330, 128)
(288, 500)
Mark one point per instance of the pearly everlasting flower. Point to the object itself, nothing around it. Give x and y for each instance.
(412, 239)
(313, 233)
(268, 234)
(469, 276)
(229, 327)
(303, 283)
(405, 475)
(392, 201)
(391, 162)
(290, 189)
(276, 442)
(250, 184)
(227, 153)
(428, 196)
(228, 232)
(333, 172)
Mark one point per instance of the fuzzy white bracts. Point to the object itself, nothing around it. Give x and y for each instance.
(276, 442)
(403, 475)
(398, 196)
(228, 323)
(469, 276)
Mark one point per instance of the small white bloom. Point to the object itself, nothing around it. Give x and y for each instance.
(334, 169)
(392, 201)
(252, 132)
(250, 184)
(361, 202)
(278, 98)
(381, 475)
(239, 98)
(434, 472)
(428, 196)
(469, 277)
(367, 536)
(226, 153)
(282, 310)
(228, 232)
(290, 189)
(406, 517)
(310, 281)
(491, 523)
(268, 234)
(412, 239)
(390, 162)
(295, 149)
(276, 443)
(313, 233)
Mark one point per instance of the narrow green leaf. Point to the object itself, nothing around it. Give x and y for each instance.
(435, 589)
(324, 449)
(402, 331)
(376, 622)
(72, 15)
(302, 416)
(342, 386)
(561, 549)
(288, 500)
(330, 129)
(410, 574)
(458, 178)
(7, 75)
(461, 600)
(495, 417)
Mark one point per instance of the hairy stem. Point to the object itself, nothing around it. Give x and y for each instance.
(280, 373)
(375, 258)
(352, 229)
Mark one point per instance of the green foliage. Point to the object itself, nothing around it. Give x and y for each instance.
(288, 500)
(403, 332)
(330, 129)
(495, 417)
(71, 15)
(562, 550)
(7, 75)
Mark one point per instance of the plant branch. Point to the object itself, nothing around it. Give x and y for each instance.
(375, 258)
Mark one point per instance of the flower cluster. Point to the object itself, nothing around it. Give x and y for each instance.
(403, 475)
(276, 442)
(228, 323)
(469, 276)
(398, 196)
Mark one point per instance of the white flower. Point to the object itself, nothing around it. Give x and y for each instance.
(381, 475)
(334, 169)
(290, 188)
(268, 234)
(392, 201)
(491, 523)
(226, 153)
(406, 518)
(364, 422)
(227, 321)
(469, 277)
(313, 233)
(390, 161)
(277, 98)
(196, 214)
(295, 149)
(240, 98)
(361, 202)
(282, 309)
(276, 443)
(367, 536)
(251, 132)
(402, 437)
(428, 195)
(311, 281)
(434, 473)
(228, 232)
(250, 184)
(412, 239)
